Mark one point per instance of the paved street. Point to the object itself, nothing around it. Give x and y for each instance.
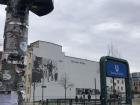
(136, 102)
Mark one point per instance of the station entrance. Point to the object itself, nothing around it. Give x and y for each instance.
(115, 81)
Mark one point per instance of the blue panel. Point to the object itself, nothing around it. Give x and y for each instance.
(116, 69)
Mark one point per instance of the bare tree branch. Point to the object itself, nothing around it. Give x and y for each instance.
(65, 83)
(113, 51)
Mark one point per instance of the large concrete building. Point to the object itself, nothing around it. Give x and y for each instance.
(49, 59)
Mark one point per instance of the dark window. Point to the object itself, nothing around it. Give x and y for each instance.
(111, 87)
(118, 81)
(28, 90)
(121, 88)
(111, 81)
(122, 82)
(136, 88)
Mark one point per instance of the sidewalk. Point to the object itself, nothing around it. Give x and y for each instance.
(136, 101)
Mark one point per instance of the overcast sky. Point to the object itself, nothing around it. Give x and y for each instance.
(85, 28)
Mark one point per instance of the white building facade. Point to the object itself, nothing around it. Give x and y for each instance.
(52, 65)
(81, 73)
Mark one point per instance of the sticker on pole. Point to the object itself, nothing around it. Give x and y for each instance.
(6, 75)
(23, 46)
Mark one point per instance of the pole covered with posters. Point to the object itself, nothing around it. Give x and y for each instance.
(14, 55)
(14, 51)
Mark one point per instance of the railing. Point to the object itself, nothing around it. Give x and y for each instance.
(66, 102)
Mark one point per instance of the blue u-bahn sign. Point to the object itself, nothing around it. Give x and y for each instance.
(116, 69)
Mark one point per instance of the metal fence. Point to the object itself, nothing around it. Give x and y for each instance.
(76, 102)
(65, 102)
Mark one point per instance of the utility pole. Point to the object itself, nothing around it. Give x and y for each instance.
(14, 55)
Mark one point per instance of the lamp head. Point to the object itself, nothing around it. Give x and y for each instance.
(38, 7)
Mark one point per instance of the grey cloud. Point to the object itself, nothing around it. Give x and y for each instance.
(122, 10)
(75, 25)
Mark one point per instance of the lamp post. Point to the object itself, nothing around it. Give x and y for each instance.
(70, 92)
(43, 92)
(15, 40)
(43, 86)
(43, 80)
(95, 90)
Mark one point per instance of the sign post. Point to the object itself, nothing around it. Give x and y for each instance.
(114, 68)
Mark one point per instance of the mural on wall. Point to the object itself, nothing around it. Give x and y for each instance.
(44, 68)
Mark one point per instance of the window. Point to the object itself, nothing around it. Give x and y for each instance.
(111, 81)
(28, 90)
(118, 81)
(122, 82)
(111, 88)
(122, 88)
(136, 88)
(27, 100)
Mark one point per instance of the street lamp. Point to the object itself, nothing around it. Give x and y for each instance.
(43, 80)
